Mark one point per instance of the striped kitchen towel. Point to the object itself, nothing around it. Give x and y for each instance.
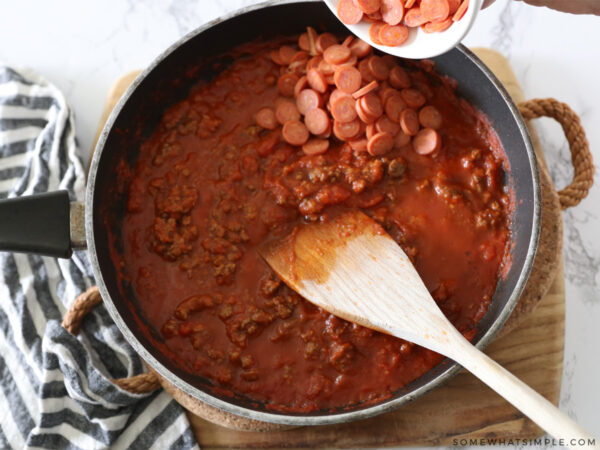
(55, 389)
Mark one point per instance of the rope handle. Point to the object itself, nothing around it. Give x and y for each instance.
(83, 304)
(581, 157)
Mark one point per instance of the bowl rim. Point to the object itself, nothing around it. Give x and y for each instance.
(291, 418)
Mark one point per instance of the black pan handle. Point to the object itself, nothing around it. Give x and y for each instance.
(38, 223)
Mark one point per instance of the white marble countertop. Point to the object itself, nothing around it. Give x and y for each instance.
(82, 47)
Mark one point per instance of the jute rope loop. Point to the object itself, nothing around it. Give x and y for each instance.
(581, 156)
(532, 109)
(83, 304)
(139, 384)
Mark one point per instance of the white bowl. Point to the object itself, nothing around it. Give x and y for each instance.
(419, 44)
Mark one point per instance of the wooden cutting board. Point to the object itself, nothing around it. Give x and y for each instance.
(463, 408)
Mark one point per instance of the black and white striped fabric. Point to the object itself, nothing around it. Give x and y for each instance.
(54, 388)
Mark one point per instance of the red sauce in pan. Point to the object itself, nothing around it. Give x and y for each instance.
(210, 186)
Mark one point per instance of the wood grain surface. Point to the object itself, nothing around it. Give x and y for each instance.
(531, 348)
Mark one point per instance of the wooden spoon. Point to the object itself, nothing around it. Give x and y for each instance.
(352, 268)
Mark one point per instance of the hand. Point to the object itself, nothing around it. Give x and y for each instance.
(569, 6)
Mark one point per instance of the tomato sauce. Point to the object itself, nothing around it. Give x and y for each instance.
(210, 185)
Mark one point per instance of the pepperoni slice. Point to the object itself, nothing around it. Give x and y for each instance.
(393, 36)
(351, 62)
(358, 145)
(300, 56)
(286, 84)
(366, 89)
(394, 105)
(375, 17)
(365, 72)
(274, 55)
(360, 48)
(413, 98)
(337, 54)
(454, 4)
(286, 53)
(424, 88)
(316, 80)
(267, 142)
(337, 93)
(312, 40)
(325, 68)
(392, 11)
(298, 67)
(368, 6)
(460, 12)
(366, 118)
(327, 132)
(345, 131)
(324, 41)
(399, 78)
(435, 10)
(348, 12)
(390, 60)
(295, 133)
(371, 131)
(343, 109)
(427, 141)
(301, 84)
(313, 63)
(347, 79)
(287, 112)
(265, 118)
(380, 144)
(379, 69)
(385, 93)
(433, 27)
(385, 125)
(409, 121)
(402, 139)
(374, 32)
(430, 117)
(371, 104)
(316, 146)
(304, 42)
(307, 100)
(414, 18)
(317, 121)
(348, 41)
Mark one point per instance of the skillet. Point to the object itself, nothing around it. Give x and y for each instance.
(49, 224)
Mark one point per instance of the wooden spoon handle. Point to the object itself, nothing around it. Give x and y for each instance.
(521, 396)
